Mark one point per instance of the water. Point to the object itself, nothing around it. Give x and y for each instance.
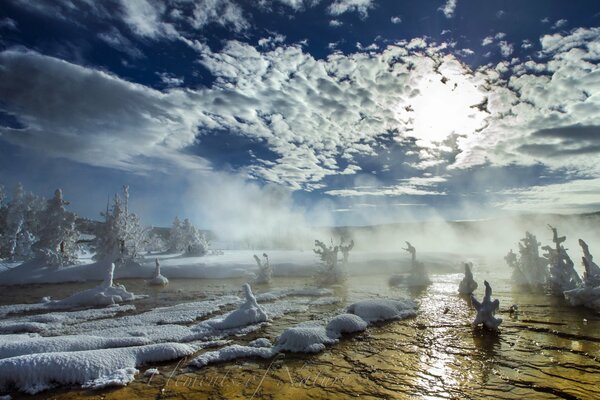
(546, 350)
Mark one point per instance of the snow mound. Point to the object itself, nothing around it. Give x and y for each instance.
(585, 296)
(158, 279)
(304, 339)
(120, 377)
(105, 294)
(65, 343)
(34, 373)
(151, 372)
(383, 309)
(346, 323)
(249, 313)
(232, 352)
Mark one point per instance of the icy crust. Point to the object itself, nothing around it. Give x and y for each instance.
(313, 336)
(277, 294)
(373, 310)
(65, 343)
(585, 296)
(34, 373)
(120, 377)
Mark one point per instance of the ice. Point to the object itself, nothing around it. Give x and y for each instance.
(346, 323)
(467, 285)
(372, 310)
(158, 279)
(37, 372)
(65, 343)
(486, 309)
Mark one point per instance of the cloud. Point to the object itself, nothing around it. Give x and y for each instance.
(362, 7)
(335, 23)
(92, 117)
(449, 8)
(506, 49)
(115, 39)
(559, 24)
(396, 20)
(8, 23)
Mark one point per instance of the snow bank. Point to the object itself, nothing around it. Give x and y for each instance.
(65, 343)
(37, 372)
(383, 309)
(120, 377)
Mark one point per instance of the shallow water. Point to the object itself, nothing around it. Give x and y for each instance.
(546, 350)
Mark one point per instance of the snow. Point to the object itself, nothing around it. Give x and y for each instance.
(346, 323)
(33, 373)
(304, 339)
(65, 343)
(373, 310)
(468, 284)
(585, 296)
(260, 342)
(106, 293)
(120, 377)
(231, 353)
(248, 313)
(158, 279)
(486, 310)
(151, 372)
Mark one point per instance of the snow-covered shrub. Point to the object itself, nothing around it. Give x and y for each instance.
(185, 237)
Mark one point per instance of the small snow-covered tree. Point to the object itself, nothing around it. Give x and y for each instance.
(562, 275)
(195, 243)
(121, 237)
(529, 268)
(329, 272)
(57, 237)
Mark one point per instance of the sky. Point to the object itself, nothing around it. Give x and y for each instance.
(347, 112)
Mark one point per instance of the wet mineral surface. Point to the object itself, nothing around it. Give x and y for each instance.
(543, 350)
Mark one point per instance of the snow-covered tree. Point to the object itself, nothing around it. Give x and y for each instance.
(529, 268)
(185, 237)
(57, 236)
(176, 236)
(330, 272)
(155, 243)
(20, 224)
(264, 269)
(121, 236)
(562, 270)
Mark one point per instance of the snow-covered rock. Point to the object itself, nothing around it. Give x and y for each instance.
(486, 309)
(105, 294)
(372, 310)
(468, 284)
(34, 373)
(158, 279)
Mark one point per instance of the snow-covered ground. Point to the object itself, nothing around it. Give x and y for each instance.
(230, 264)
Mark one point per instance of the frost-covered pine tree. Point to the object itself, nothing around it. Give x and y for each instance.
(176, 236)
(195, 243)
(121, 237)
(57, 236)
(20, 225)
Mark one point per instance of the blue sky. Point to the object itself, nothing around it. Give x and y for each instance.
(346, 111)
